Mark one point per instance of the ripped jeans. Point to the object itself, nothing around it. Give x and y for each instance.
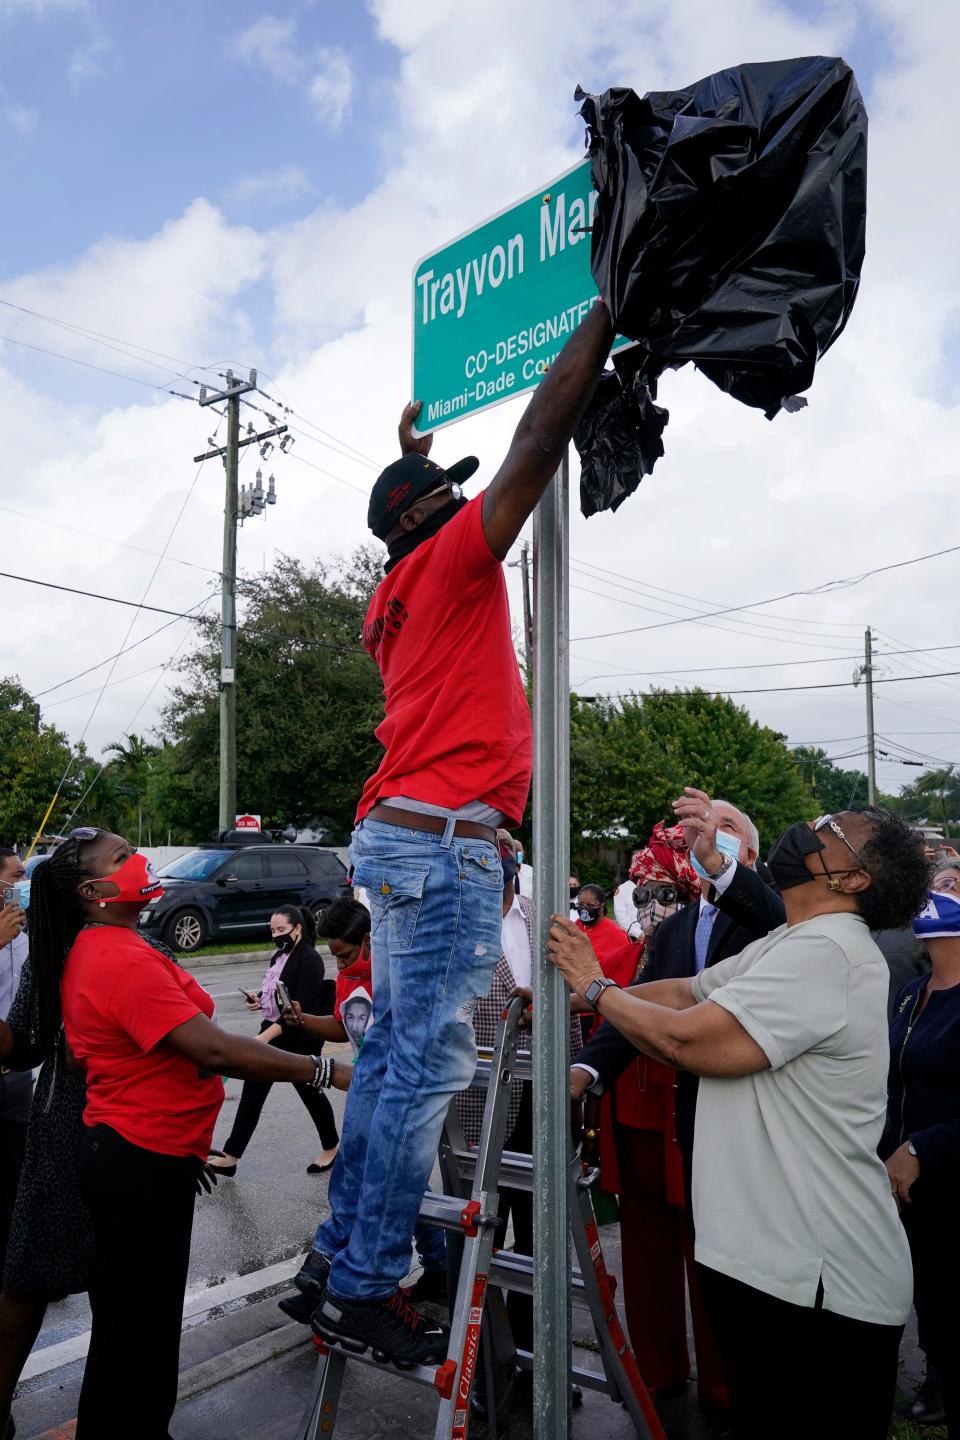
(436, 909)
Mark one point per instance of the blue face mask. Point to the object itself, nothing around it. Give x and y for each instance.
(21, 894)
(729, 847)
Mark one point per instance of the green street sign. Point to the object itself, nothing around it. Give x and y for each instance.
(492, 309)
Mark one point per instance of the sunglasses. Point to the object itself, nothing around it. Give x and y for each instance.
(663, 894)
(450, 487)
(84, 832)
(828, 822)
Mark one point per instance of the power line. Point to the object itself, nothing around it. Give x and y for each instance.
(189, 614)
(644, 587)
(107, 539)
(94, 595)
(785, 689)
(845, 582)
(89, 365)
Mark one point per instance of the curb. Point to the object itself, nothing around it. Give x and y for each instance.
(235, 957)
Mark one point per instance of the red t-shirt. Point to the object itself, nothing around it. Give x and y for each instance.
(617, 955)
(457, 723)
(120, 999)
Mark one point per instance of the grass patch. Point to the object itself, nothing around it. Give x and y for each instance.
(906, 1430)
(233, 947)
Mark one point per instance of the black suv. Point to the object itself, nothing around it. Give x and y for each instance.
(221, 891)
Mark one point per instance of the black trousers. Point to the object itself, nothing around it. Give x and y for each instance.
(936, 1295)
(253, 1097)
(142, 1209)
(795, 1371)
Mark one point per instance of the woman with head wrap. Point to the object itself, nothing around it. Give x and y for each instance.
(921, 1142)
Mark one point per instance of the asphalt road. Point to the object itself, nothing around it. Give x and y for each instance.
(270, 1211)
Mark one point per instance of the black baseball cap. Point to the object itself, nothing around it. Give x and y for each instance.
(405, 481)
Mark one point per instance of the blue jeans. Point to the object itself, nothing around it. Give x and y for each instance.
(436, 907)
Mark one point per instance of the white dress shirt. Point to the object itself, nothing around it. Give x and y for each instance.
(515, 944)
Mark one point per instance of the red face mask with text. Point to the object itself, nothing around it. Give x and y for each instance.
(136, 881)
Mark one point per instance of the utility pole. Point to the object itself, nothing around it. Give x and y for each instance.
(230, 454)
(865, 672)
(871, 737)
(523, 565)
(527, 609)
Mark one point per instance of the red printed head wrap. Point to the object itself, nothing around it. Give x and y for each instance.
(666, 857)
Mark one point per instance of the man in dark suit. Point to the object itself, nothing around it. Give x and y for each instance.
(738, 908)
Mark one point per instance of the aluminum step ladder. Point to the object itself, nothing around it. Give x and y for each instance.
(473, 1177)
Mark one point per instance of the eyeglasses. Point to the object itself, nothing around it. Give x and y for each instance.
(663, 894)
(449, 487)
(947, 882)
(827, 821)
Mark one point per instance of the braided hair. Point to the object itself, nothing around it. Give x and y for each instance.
(55, 919)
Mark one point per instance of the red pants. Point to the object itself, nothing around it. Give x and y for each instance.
(657, 1247)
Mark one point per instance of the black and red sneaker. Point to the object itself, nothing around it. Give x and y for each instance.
(392, 1328)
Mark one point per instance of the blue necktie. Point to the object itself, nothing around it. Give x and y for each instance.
(701, 942)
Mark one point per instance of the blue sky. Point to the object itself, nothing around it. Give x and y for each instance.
(255, 185)
(138, 109)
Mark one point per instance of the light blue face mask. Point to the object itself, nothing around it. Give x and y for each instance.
(729, 847)
(20, 894)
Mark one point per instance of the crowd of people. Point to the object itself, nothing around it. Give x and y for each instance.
(769, 1149)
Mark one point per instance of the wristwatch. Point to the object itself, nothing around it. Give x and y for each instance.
(716, 874)
(596, 988)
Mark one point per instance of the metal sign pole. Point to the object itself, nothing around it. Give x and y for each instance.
(551, 1031)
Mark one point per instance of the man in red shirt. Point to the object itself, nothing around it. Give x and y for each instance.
(457, 740)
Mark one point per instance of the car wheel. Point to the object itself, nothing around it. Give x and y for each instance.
(186, 931)
(319, 914)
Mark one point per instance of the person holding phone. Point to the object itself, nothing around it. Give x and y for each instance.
(140, 1028)
(303, 980)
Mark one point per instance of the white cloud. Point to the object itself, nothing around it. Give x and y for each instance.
(738, 509)
(86, 62)
(288, 182)
(324, 72)
(20, 118)
(331, 88)
(269, 42)
(174, 292)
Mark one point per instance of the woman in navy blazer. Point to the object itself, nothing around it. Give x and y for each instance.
(921, 1142)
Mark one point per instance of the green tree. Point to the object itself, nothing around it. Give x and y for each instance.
(128, 779)
(308, 699)
(33, 759)
(934, 798)
(631, 758)
(832, 788)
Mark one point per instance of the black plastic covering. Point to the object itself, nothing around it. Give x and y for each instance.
(729, 232)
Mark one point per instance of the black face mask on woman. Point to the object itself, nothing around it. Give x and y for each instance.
(787, 856)
(406, 543)
(285, 942)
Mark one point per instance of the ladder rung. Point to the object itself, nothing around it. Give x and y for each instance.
(588, 1379)
(449, 1212)
(511, 1271)
(437, 1377)
(516, 1170)
(521, 1066)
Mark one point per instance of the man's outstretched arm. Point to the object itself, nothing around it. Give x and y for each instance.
(545, 431)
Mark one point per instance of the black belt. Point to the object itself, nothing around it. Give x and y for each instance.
(433, 824)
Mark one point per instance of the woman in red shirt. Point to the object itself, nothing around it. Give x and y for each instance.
(141, 1029)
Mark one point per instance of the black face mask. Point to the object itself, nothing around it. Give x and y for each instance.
(589, 914)
(406, 543)
(284, 943)
(510, 868)
(787, 855)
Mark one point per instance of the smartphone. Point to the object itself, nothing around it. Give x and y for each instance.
(283, 996)
(251, 999)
